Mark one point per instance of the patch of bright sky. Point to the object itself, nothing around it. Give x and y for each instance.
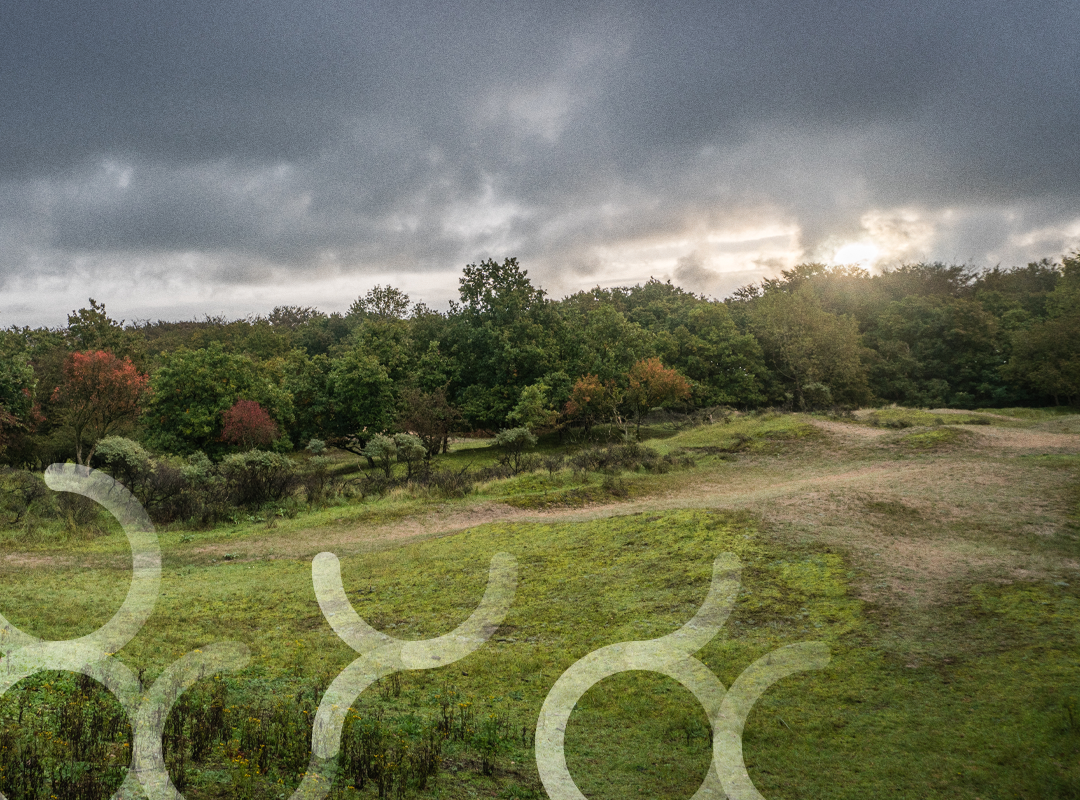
(907, 235)
(699, 259)
(142, 291)
(485, 216)
(890, 236)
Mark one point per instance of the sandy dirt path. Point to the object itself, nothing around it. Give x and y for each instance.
(912, 522)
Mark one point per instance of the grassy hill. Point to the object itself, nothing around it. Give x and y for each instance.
(936, 554)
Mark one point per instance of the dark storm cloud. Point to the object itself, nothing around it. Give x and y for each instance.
(416, 136)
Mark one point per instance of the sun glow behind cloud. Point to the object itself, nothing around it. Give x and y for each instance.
(889, 236)
(709, 258)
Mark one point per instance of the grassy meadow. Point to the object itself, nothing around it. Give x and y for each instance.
(936, 553)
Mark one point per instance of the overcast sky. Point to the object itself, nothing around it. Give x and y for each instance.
(179, 158)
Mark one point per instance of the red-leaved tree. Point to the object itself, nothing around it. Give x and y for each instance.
(651, 385)
(248, 425)
(99, 393)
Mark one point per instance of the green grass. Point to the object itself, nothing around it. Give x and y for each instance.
(752, 432)
(978, 698)
(1037, 414)
(898, 417)
(988, 717)
(933, 438)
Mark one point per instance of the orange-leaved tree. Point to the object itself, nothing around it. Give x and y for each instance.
(98, 394)
(651, 384)
(592, 400)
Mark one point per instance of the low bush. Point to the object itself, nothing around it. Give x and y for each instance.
(20, 491)
(258, 476)
(514, 442)
(318, 482)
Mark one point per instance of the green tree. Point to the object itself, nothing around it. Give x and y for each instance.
(389, 340)
(514, 442)
(93, 329)
(192, 389)
(361, 400)
(307, 380)
(934, 350)
(598, 339)
(534, 410)
(381, 302)
(926, 280)
(292, 317)
(17, 387)
(1023, 289)
(1046, 355)
(696, 336)
(816, 355)
(499, 291)
(501, 338)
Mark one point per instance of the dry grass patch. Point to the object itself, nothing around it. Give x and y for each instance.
(850, 432)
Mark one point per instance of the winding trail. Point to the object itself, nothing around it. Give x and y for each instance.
(912, 521)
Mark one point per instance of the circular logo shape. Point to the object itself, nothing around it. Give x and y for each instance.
(91, 655)
(671, 655)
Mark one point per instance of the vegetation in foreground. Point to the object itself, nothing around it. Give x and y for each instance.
(972, 695)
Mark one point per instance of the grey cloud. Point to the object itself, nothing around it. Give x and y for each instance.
(277, 136)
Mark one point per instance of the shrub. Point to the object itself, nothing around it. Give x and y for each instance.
(190, 489)
(126, 461)
(553, 463)
(316, 479)
(514, 442)
(381, 450)
(817, 395)
(258, 476)
(19, 491)
(429, 416)
(451, 484)
(168, 488)
(410, 451)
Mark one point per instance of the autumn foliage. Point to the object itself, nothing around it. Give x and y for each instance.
(651, 384)
(248, 425)
(592, 400)
(98, 394)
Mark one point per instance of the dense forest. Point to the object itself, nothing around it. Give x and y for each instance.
(507, 357)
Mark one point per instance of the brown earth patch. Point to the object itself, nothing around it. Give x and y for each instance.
(20, 561)
(1031, 441)
(849, 430)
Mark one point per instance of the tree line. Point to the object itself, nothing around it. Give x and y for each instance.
(505, 356)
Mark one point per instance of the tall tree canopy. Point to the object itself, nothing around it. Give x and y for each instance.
(100, 393)
(1046, 354)
(505, 354)
(815, 355)
(194, 388)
